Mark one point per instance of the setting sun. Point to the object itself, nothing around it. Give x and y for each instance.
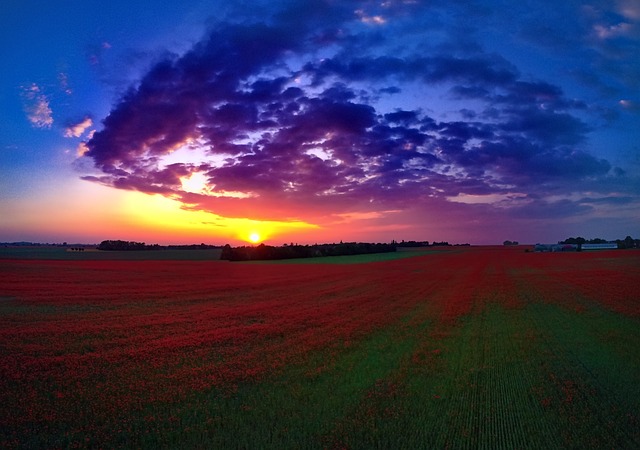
(158, 218)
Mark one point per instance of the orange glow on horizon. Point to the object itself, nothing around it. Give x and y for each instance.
(86, 212)
(166, 218)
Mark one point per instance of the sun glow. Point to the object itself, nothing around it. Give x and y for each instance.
(157, 217)
(196, 183)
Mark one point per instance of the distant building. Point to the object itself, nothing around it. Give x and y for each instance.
(606, 246)
(555, 248)
(573, 247)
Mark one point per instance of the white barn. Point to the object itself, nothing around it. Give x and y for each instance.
(607, 246)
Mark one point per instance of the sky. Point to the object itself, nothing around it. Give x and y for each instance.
(319, 120)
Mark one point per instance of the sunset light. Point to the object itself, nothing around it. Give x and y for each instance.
(320, 224)
(196, 183)
(158, 217)
(220, 119)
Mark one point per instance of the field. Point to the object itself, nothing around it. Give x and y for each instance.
(62, 253)
(480, 347)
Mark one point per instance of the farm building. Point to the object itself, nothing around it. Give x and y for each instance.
(555, 248)
(606, 246)
(573, 247)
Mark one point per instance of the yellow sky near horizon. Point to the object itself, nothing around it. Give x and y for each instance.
(87, 212)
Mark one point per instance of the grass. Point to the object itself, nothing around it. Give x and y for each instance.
(353, 259)
(61, 253)
(495, 381)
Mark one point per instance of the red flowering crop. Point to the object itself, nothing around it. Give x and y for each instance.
(97, 353)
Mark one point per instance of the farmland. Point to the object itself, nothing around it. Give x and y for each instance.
(480, 347)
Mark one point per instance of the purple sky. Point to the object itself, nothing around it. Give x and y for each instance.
(474, 122)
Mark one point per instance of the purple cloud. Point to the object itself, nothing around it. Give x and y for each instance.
(283, 131)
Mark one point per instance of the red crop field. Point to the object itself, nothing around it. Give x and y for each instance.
(485, 347)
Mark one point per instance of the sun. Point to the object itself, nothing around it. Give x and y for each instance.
(254, 237)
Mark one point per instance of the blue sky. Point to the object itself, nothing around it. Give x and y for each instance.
(320, 120)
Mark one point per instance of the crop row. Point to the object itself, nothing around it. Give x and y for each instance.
(490, 348)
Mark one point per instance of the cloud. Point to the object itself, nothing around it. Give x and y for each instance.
(630, 9)
(614, 38)
(543, 209)
(77, 129)
(629, 105)
(374, 20)
(281, 114)
(82, 149)
(36, 105)
(63, 81)
(613, 31)
(95, 52)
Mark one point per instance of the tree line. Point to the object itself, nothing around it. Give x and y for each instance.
(118, 245)
(268, 252)
(627, 242)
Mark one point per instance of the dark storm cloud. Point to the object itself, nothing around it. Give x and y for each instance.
(309, 136)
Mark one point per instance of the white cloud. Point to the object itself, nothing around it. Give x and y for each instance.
(611, 31)
(37, 107)
(630, 9)
(375, 20)
(629, 105)
(82, 149)
(77, 129)
(63, 79)
(494, 199)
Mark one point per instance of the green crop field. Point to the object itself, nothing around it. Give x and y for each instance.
(64, 254)
(478, 348)
(359, 259)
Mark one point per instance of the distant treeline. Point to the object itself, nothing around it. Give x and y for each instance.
(412, 244)
(627, 242)
(268, 252)
(36, 244)
(404, 243)
(118, 245)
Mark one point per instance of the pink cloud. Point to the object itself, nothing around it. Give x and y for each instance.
(78, 128)
(37, 107)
